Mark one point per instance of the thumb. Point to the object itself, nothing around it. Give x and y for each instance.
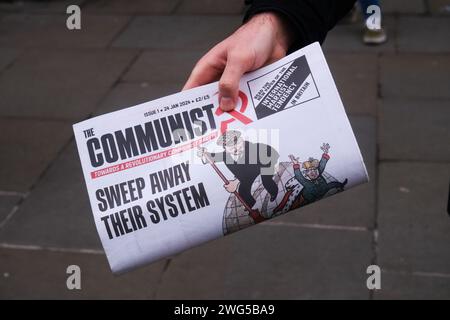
(229, 82)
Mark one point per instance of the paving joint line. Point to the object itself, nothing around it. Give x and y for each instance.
(50, 249)
(35, 183)
(317, 226)
(418, 273)
(160, 279)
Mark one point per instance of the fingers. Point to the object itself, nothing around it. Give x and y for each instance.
(229, 66)
(208, 69)
(203, 73)
(235, 67)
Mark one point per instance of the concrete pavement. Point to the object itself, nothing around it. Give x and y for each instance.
(398, 99)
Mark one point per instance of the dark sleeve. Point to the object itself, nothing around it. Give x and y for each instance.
(299, 176)
(323, 162)
(310, 20)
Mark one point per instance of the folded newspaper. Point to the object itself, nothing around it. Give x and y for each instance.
(172, 173)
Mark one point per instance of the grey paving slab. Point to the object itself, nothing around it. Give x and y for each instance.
(131, 7)
(27, 147)
(177, 32)
(415, 76)
(41, 274)
(439, 7)
(210, 7)
(57, 212)
(414, 129)
(162, 66)
(348, 38)
(268, 262)
(129, 94)
(61, 84)
(354, 207)
(59, 6)
(50, 31)
(403, 6)
(413, 223)
(7, 56)
(356, 77)
(396, 286)
(430, 34)
(7, 204)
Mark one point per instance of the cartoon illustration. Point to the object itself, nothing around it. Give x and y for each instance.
(262, 188)
(246, 161)
(310, 175)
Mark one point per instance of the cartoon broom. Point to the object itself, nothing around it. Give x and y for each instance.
(253, 213)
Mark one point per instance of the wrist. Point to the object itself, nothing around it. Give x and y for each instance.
(281, 29)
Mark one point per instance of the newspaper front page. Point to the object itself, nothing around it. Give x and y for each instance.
(173, 173)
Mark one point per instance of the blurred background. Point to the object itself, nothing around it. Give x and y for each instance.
(396, 94)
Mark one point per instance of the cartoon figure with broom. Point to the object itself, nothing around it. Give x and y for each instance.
(246, 161)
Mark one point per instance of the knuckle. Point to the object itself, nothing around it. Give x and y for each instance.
(197, 68)
(227, 85)
(240, 56)
(201, 64)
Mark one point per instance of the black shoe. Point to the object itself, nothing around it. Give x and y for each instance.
(341, 188)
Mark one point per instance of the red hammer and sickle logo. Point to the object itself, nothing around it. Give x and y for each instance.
(236, 115)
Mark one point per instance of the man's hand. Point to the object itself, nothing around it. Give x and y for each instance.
(294, 159)
(232, 185)
(264, 39)
(201, 153)
(325, 147)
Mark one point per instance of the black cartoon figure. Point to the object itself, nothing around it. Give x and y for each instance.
(309, 175)
(246, 161)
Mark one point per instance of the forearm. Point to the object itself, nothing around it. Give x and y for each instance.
(298, 174)
(309, 20)
(323, 162)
